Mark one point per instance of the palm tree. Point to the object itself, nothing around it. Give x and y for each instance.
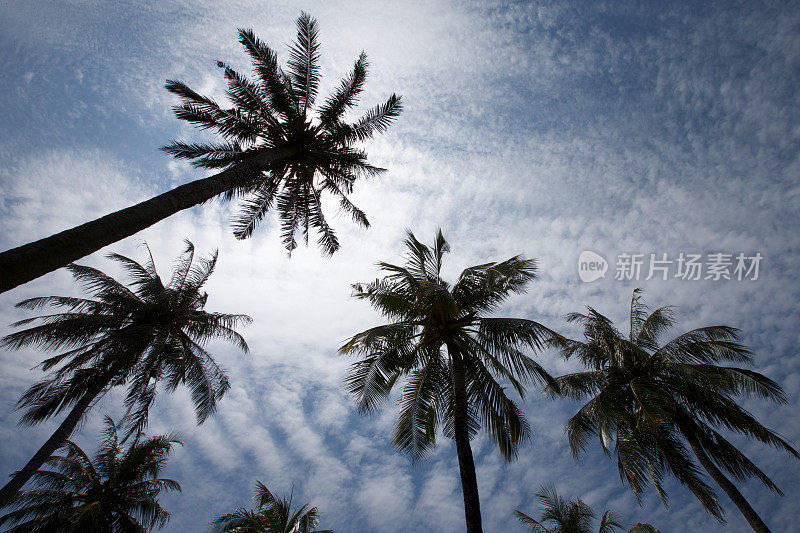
(459, 389)
(117, 492)
(652, 398)
(574, 516)
(272, 515)
(133, 336)
(279, 148)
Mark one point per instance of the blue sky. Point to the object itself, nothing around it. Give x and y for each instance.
(542, 129)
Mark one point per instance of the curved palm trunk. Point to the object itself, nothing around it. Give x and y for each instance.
(29, 261)
(730, 489)
(58, 437)
(466, 463)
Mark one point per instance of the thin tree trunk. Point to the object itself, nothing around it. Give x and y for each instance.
(730, 489)
(466, 463)
(58, 437)
(29, 261)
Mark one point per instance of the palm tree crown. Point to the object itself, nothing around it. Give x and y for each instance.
(272, 514)
(144, 333)
(116, 492)
(278, 111)
(459, 390)
(574, 516)
(134, 335)
(280, 147)
(650, 398)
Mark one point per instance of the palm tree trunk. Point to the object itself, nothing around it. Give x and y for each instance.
(58, 437)
(29, 261)
(466, 463)
(730, 489)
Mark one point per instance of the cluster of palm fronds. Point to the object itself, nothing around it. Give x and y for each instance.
(117, 491)
(273, 514)
(573, 516)
(273, 113)
(652, 400)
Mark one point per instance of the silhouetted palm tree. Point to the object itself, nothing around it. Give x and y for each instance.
(117, 492)
(271, 515)
(280, 148)
(134, 337)
(574, 516)
(652, 398)
(459, 389)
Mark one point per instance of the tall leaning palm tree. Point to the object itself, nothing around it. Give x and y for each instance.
(574, 516)
(280, 148)
(273, 514)
(116, 492)
(652, 399)
(133, 336)
(458, 389)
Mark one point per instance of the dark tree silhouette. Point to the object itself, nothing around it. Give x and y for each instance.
(132, 336)
(116, 493)
(280, 149)
(574, 516)
(457, 389)
(272, 514)
(651, 399)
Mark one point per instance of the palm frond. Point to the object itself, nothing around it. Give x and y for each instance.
(101, 285)
(254, 208)
(206, 155)
(376, 120)
(503, 419)
(247, 95)
(711, 344)
(415, 432)
(265, 64)
(205, 113)
(500, 334)
(609, 522)
(534, 524)
(578, 385)
(327, 240)
(733, 461)
(371, 379)
(304, 62)
(346, 94)
(290, 207)
(358, 216)
(658, 322)
(482, 288)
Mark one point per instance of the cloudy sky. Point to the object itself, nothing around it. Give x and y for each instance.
(542, 129)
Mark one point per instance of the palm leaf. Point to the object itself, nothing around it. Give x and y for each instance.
(346, 94)
(304, 62)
